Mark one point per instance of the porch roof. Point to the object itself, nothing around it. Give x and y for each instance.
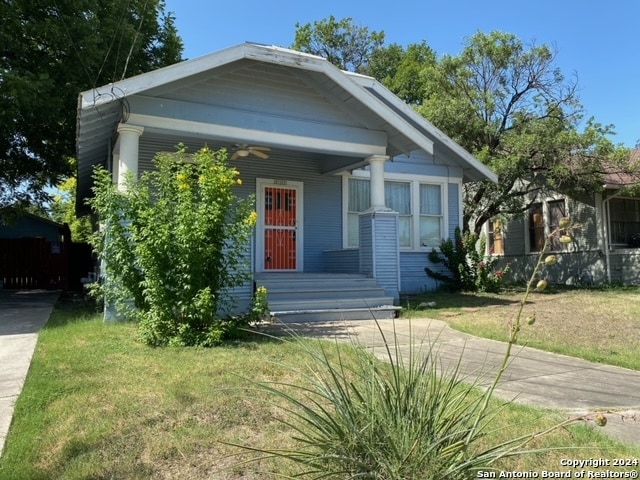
(383, 120)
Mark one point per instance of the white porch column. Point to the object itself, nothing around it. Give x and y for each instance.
(379, 251)
(376, 163)
(125, 160)
(129, 136)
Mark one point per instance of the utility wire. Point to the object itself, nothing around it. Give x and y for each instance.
(73, 44)
(135, 37)
(113, 41)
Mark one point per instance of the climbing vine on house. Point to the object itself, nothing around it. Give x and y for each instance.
(174, 244)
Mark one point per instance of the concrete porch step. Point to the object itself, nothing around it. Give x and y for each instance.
(329, 304)
(299, 297)
(337, 314)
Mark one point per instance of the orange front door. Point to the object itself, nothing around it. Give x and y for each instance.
(280, 228)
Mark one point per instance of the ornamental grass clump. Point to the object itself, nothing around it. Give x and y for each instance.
(395, 416)
(359, 417)
(173, 245)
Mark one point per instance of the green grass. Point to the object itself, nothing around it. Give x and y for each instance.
(99, 405)
(601, 325)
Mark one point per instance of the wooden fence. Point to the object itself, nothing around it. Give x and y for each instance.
(34, 263)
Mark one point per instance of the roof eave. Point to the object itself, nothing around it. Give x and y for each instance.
(476, 170)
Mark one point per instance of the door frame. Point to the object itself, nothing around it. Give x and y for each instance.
(261, 184)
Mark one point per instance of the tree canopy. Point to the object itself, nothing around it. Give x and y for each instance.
(504, 101)
(50, 50)
(344, 44)
(508, 104)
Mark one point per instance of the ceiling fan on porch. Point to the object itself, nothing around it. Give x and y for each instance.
(244, 150)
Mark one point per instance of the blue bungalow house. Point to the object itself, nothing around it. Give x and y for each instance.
(353, 188)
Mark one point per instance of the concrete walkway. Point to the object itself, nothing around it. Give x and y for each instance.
(22, 315)
(533, 377)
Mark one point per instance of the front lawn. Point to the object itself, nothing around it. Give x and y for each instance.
(601, 325)
(99, 405)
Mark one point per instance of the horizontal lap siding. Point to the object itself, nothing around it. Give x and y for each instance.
(454, 209)
(584, 214)
(586, 259)
(366, 247)
(242, 294)
(514, 237)
(342, 261)
(414, 279)
(322, 219)
(568, 266)
(386, 251)
(264, 89)
(625, 267)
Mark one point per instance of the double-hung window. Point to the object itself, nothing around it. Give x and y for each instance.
(495, 240)
(544, 219)
(359, 201)
(420, 207)
(398, 198)
(430, 215)
(624, 214)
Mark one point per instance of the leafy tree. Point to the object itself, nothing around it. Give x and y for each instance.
(504, 101)
(344, 44)
(509, 105)
(50, 50)
(403, 70)
(175, 243)
(63, 208)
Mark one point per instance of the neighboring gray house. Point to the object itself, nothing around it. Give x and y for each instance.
(353, 188)
(606, 248)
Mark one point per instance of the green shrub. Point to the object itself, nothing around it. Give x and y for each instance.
(173, 245)
(469, 268)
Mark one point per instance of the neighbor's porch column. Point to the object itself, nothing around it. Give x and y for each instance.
(129, 137)
(376, 164)
(379, 251)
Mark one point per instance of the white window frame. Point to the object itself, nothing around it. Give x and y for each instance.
(414, 181)
(261, 184)
(547, 223)
(486, 231)
(617, 246)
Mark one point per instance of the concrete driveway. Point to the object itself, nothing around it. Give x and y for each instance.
(22, 315)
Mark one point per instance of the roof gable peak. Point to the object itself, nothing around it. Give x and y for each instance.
(178, 71)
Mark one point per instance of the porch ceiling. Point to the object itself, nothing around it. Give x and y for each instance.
(328, 163)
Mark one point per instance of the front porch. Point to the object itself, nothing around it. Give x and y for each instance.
(304, 297)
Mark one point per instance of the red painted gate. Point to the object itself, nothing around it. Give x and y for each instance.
(280, 228)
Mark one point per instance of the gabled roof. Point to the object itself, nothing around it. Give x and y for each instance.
(101, 109)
